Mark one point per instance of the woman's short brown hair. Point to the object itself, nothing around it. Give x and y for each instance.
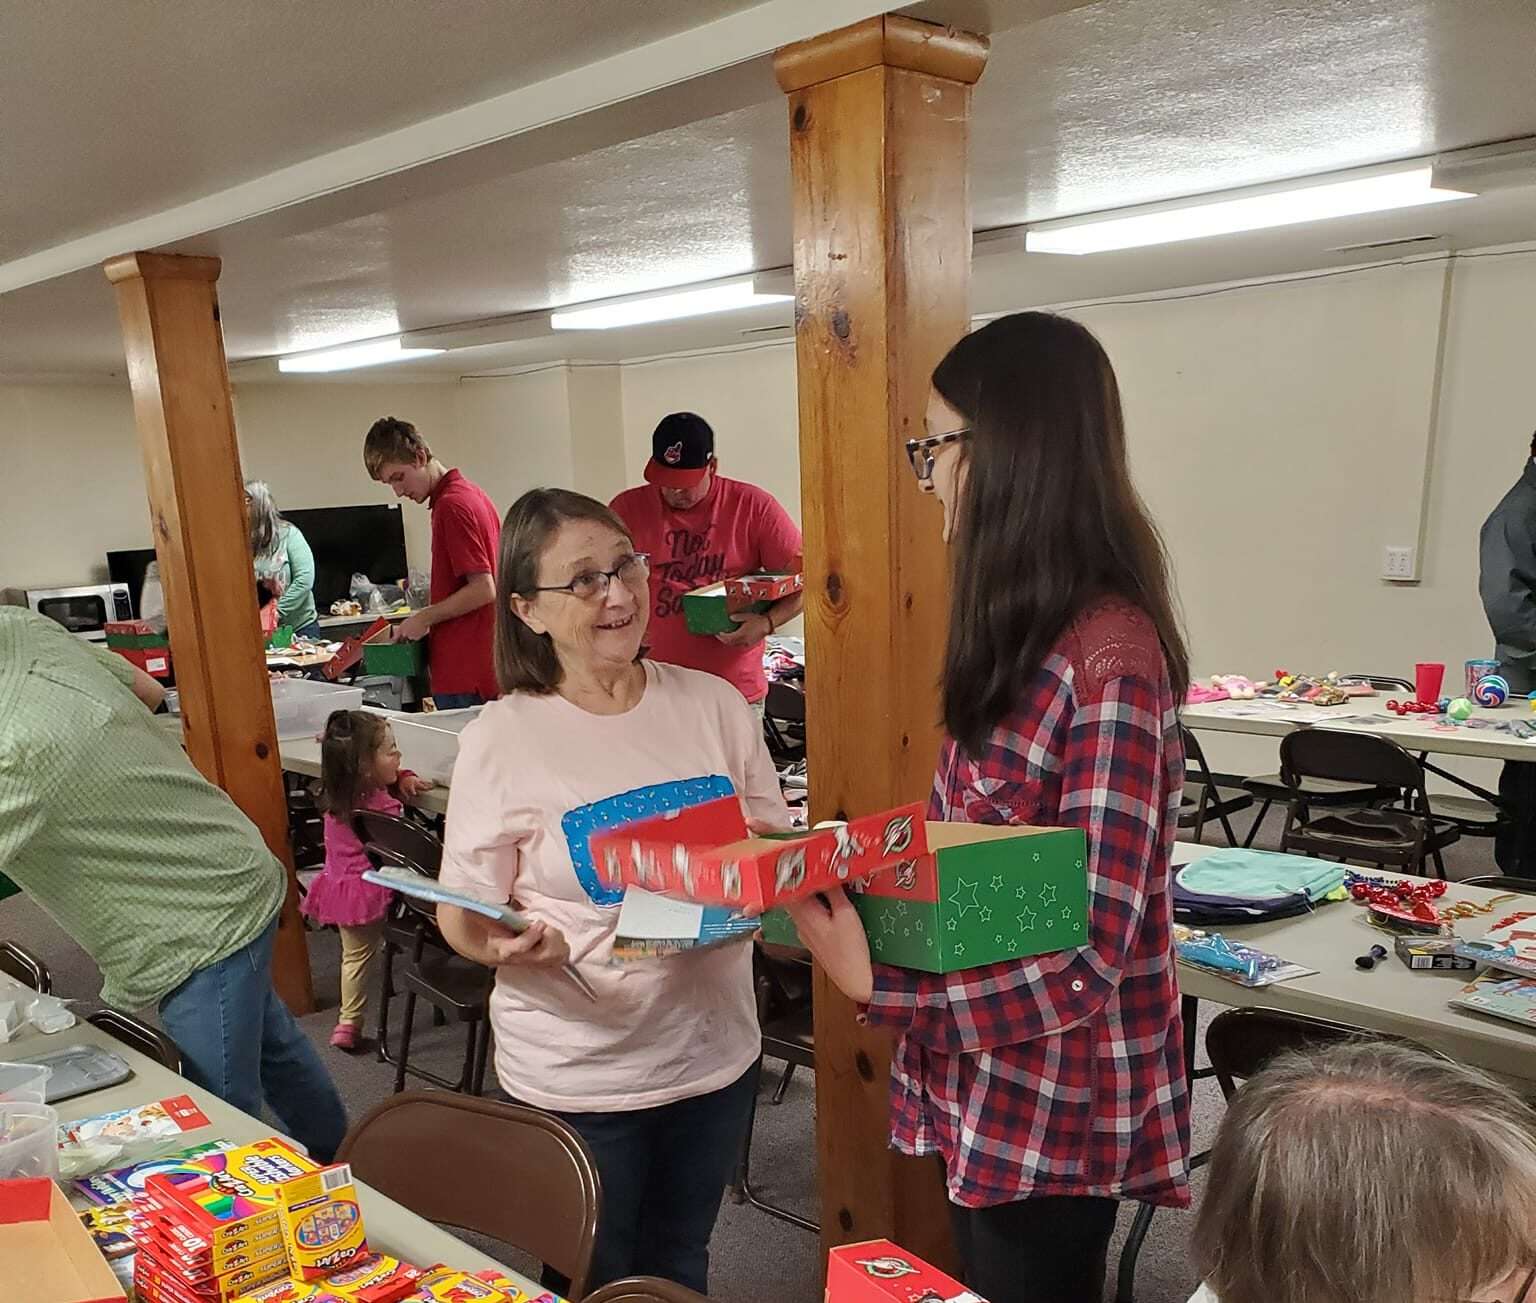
(525, 660)
(1369, 1172)
(391, 441)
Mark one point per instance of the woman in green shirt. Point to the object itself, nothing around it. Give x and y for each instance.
(280, 552)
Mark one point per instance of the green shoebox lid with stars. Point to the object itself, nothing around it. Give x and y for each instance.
(984, 894)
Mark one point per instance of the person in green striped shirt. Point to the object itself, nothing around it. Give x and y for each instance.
(152, 870)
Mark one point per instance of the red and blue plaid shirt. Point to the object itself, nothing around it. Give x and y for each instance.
(1062, 1074)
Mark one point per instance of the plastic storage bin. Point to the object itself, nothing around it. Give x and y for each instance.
(24, 1083)
(29, 1141)
(429, 743)
(301, 706)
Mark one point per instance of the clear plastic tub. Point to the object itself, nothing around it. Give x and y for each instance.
(301, 706)
(29, 1141)
(24, 1083)
(429, 742)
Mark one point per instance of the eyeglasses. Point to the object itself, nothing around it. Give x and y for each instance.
(590, 585)
(920, 451)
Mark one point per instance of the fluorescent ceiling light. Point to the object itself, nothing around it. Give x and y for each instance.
(1395, 186)
(374, 352)
(669, 305)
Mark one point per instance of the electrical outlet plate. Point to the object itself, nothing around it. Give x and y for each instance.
(1398, 564)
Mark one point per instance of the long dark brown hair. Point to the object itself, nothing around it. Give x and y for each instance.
(347, 748)
(1048, 521)
(527, 661)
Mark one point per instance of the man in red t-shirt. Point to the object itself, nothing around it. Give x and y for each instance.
(466, 532)
(700, 528)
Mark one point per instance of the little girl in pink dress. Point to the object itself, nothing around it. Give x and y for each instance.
(359, 770)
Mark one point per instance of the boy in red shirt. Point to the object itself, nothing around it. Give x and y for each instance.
(700, 528)
(466, 532)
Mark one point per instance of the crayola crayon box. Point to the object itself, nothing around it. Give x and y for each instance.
(230, 1194)
(322, 1222)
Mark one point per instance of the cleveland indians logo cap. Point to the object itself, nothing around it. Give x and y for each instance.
(682, 447)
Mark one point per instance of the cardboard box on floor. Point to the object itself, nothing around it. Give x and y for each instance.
(878, 1271)
(703, 854)
(983, 894)
(48, 1254)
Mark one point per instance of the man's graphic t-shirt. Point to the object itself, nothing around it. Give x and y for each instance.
(738, 529)
(535, 776)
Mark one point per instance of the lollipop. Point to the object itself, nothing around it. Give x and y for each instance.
(1491, 690)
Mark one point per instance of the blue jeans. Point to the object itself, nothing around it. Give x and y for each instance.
(663, 1171)
(239, 1041)
(457, 700)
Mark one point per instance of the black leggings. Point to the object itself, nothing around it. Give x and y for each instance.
(1047, 1250)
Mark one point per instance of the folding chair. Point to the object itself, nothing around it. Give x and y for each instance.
(457, 989)
(17, 962)
(516, 1174)
(1401, 837)
(1203, 799)
(138, 1035)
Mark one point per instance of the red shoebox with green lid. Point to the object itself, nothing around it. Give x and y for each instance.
(709, 610)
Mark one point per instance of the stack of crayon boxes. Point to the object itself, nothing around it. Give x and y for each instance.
(229, 1221)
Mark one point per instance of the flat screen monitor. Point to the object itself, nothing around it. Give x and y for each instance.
(352, 540)
(345, 540)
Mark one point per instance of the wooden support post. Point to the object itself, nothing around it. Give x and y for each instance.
(879, 128)
(175, 349)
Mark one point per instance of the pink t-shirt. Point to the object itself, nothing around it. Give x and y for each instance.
(737, 529)
(534, 776)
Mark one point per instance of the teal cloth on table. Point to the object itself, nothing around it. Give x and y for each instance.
(1261, 874)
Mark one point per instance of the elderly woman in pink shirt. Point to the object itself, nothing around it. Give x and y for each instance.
(658, 1073)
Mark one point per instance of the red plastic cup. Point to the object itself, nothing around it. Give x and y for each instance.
(1427, 678)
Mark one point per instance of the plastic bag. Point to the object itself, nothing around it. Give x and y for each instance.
(152, 597)
(418, 589)
(362, 590)
(21, 1006)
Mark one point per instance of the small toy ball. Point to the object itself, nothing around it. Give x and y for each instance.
(1460, 709)
(1491, 690)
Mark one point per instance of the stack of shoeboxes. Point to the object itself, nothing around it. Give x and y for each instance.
(933, 896)
(141, 643)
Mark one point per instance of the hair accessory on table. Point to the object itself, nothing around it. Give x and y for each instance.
(1368, 961)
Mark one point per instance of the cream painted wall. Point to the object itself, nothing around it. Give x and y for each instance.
(72, 488)
(747, 395)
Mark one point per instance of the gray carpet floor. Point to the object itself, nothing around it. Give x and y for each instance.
(753, 1255)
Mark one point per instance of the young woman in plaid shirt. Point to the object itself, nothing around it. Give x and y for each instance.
(1052, 1087)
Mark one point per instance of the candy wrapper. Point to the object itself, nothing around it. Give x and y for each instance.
(1245, 965)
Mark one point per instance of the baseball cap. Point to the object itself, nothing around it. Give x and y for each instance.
(681, 448)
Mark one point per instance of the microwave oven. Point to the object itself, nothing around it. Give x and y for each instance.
(84, 611)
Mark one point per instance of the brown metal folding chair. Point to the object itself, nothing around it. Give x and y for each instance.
(513, 1173)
